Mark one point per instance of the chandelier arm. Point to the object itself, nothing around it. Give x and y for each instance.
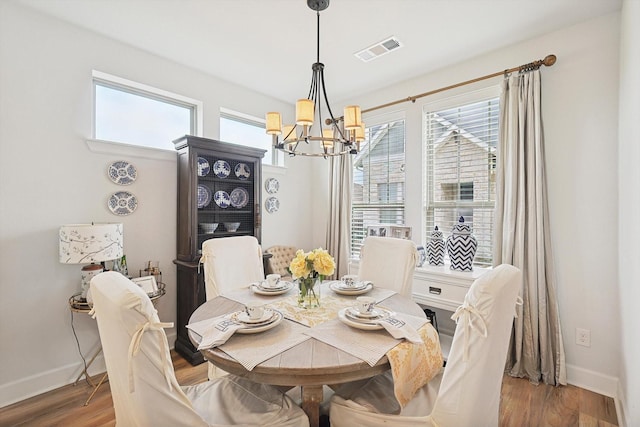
(326, 100)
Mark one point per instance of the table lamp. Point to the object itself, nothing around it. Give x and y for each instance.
(90, 244)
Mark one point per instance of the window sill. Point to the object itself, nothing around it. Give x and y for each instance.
(122, 149)
(274, 170)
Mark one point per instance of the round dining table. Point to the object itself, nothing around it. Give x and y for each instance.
(310, 365)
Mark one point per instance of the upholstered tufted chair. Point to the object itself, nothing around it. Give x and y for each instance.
(280, 260)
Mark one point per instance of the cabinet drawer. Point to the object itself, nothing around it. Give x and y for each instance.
(442, 295)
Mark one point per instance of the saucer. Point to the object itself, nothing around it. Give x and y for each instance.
(353, 311)
(243, 317)
(335, 287)
(260, 327)
(257, 289)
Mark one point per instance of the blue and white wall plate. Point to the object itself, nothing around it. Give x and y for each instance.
(242, 171)
(122, 203)
(272, 185)
(203, 167)
(272, 204)
(122, 172)
(222, 199)
(239, 197)
(204, 196)
(221, 169)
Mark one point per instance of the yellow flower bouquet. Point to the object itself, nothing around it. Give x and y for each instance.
(309, 269)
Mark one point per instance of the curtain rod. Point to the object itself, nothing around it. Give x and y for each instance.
(548, 61)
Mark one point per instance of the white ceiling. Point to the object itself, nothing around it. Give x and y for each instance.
(269, 45)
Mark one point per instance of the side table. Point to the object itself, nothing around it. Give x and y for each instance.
(80, 305)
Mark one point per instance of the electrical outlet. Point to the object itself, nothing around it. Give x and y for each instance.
(583, 337)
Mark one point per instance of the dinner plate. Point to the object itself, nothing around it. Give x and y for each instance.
(272, 185)
(122, 203)
(375, 313)
(242, 171)
(358, 324)
(221, 169)
(272, 204)
(243, 317)
(222, 199)
(355, 287)
(239, 197)
(262, 291)
(255, 329)
(122, 172)
(204, 196)
(345, 291)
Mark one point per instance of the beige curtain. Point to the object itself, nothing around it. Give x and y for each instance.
(339, 225)
(522, 232)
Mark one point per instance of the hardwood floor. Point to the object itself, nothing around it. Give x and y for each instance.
(522, 404)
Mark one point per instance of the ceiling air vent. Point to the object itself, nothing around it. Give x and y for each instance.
(381, 48)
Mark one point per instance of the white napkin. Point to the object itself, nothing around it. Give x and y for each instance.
(216, 331)
(398, 329)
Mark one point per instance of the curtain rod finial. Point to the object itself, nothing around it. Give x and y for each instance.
(549, 60)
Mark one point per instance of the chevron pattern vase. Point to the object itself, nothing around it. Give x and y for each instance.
(461, 247)
(435, 248)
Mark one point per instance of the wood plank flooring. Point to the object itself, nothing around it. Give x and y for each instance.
(522, 404)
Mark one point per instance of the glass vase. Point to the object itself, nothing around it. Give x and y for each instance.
(309, 293)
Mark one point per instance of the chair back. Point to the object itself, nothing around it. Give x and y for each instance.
(389, 263)
(280, 260)
(469, 394)
(143, 384)
(230, 263)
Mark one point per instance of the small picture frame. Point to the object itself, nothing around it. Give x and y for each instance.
(147, 283)
(401, 232)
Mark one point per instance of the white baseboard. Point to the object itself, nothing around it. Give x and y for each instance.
(591, 380)
(621, 406)
(34, 385)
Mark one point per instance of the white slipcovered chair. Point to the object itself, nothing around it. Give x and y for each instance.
(229, 263)
(143, 384)
(467, 393)
(388, 262)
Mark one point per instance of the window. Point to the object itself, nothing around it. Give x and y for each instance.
(136, 114)
(460, 153)
(238, 128)
(378, 181)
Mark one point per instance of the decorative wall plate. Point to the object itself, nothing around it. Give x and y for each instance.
(203, 167)
(221, 169)
(272, 204)
(122, 203)
(204, 196)
(239, 197)
(122, 172)
(272, 185)
(242, 171)
(222, 199)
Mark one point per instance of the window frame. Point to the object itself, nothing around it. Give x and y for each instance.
(99, 78)
(277, 157)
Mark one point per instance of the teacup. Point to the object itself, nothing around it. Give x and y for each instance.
(273, 280)
(349, 279)
(254, 310)
(365, 305)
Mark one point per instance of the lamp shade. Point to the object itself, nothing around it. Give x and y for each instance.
(327, 138)
(289, 133)
(87, 243)
(352, 117)
(274, 123)
(360, 133)
(304, 112)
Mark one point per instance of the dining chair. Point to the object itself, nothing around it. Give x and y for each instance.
(467, 393)
(142, 379)
(389, 263)
(281, 256)
(229, 263)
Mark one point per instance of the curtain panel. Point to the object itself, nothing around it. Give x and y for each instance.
(339, 225)
(522, 232)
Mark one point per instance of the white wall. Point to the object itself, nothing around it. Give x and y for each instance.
(49, 177)
(629, 226)
(580, 97)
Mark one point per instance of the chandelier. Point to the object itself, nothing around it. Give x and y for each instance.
(340, 136)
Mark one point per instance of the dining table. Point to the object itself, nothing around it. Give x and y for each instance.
(309, 348)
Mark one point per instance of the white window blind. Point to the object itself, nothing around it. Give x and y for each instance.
(378, 181)
(460, 158)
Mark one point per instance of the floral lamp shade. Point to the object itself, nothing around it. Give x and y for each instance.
(90, 244)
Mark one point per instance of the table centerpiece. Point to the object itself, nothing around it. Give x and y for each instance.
(308, 270)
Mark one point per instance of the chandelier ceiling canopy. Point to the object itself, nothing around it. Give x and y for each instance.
(339, 136)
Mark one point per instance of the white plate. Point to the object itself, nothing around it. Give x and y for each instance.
(122, 203)
(256, 329)
(338, 290)
(243, 317)
(260, 291)
(122, 172)
(357, 286)
(356, 324)
(375, 314)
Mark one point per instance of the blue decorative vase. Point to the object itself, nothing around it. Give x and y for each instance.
(435, 248)
(461, 247)
(422, 256)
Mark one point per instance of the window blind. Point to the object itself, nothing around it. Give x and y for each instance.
(460, 159)
(378, 194)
